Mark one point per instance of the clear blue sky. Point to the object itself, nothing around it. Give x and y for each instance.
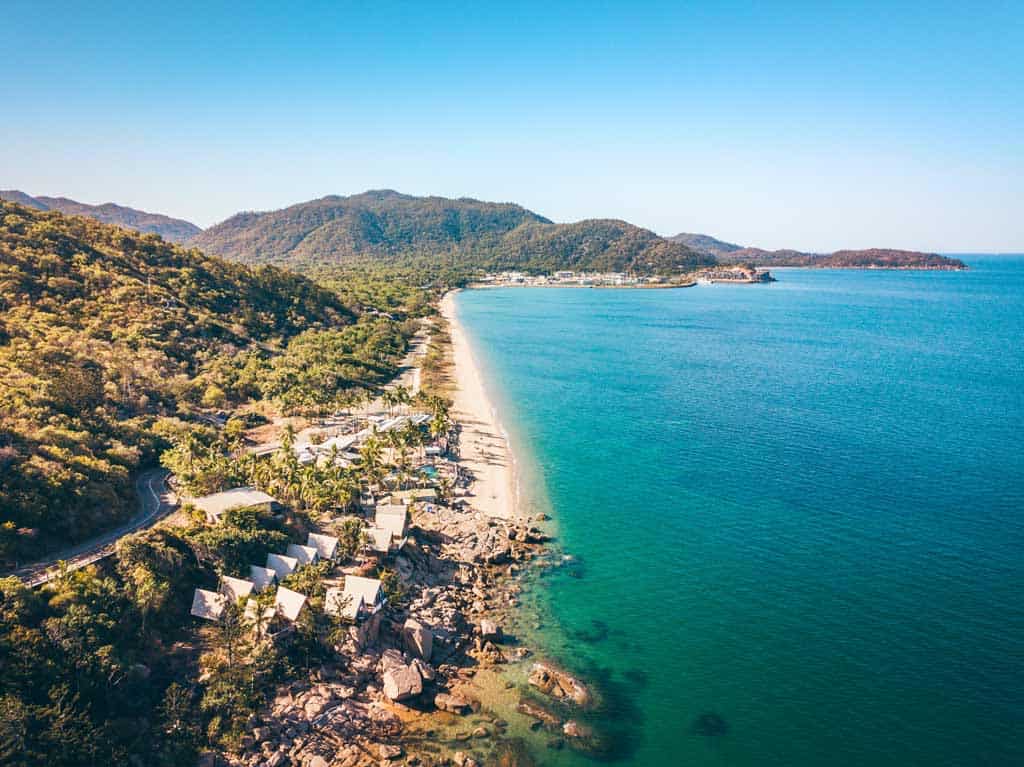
(813, 125)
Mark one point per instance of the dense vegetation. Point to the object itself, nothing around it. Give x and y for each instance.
(171, 229)
(104, 665)
(104, 331)
(445, 240)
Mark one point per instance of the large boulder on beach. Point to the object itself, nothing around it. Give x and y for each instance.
(402, 683)
(418, 639)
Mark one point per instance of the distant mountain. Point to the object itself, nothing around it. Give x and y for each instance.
(704, 243)
(387, 227)
(171, 229)
(886, 258)
(871, 258)
(13, 195)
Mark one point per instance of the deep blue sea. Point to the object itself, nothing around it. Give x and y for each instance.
(798, 507)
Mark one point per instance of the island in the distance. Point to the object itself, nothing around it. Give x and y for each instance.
(870, 258)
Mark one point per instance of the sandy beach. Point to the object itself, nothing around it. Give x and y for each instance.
(483, 447)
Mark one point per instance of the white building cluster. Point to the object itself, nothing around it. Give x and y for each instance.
(570, 279)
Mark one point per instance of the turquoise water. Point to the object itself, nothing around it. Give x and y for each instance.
(797, 506)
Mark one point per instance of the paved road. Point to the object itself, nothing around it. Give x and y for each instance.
(155, 502)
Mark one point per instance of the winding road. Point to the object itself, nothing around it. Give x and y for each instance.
(156, 501)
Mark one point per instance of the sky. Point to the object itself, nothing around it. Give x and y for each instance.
(812, 125)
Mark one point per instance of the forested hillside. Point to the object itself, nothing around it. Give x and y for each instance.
(103, 331)
(171, 229)
(438, 236)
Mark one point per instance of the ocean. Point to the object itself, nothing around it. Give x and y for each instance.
(795, 511)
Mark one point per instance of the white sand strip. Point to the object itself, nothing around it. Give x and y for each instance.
(484, 449)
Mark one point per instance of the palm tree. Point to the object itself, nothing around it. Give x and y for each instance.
(402, 395)
(370, 453)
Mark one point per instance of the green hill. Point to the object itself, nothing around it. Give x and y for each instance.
(171, 229)
(704, 243)
(386, 228)
(102, 330)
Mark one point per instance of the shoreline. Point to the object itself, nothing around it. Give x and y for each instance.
(483, 443)
(454, 672)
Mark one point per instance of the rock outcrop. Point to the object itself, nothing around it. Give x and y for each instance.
(559, 684)
(418, 639)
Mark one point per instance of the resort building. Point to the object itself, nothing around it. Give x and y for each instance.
(304, 555)
(379, 539)
(360, 599)
(216, 504)
(262, 577)
(421, 494)
(235, 588)
(288, 604)
(326, 545)
(392, 518)
(282, 565)
(208, 605)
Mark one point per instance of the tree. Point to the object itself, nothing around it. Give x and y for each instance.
(231, 631)
(13, 730)
(351, 535)
(147, 564)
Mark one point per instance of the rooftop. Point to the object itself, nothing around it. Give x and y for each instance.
(217, 503)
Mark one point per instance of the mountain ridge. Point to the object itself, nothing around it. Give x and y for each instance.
(388, 227)
(171, 229)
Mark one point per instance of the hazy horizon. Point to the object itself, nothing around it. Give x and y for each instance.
(790, 126)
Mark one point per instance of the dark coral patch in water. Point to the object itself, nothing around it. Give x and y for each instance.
(710, 725)
(636, 677)
(597, 632)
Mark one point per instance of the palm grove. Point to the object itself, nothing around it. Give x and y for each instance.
(113, 348)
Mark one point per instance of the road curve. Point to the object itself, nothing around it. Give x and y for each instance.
(155, 502)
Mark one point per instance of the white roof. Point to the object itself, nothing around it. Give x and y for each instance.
(305, 555)
(281, 565)
(262, 577)
(289, 603)
(235, 588)
(390, 518)
(338, 603)
(393, 423)
(380, 539)
(367, 589)
(208, 605)
(342, 443)
(218, 503)
(326, 545)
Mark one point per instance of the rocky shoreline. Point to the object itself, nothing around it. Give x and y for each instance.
(410, 697)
